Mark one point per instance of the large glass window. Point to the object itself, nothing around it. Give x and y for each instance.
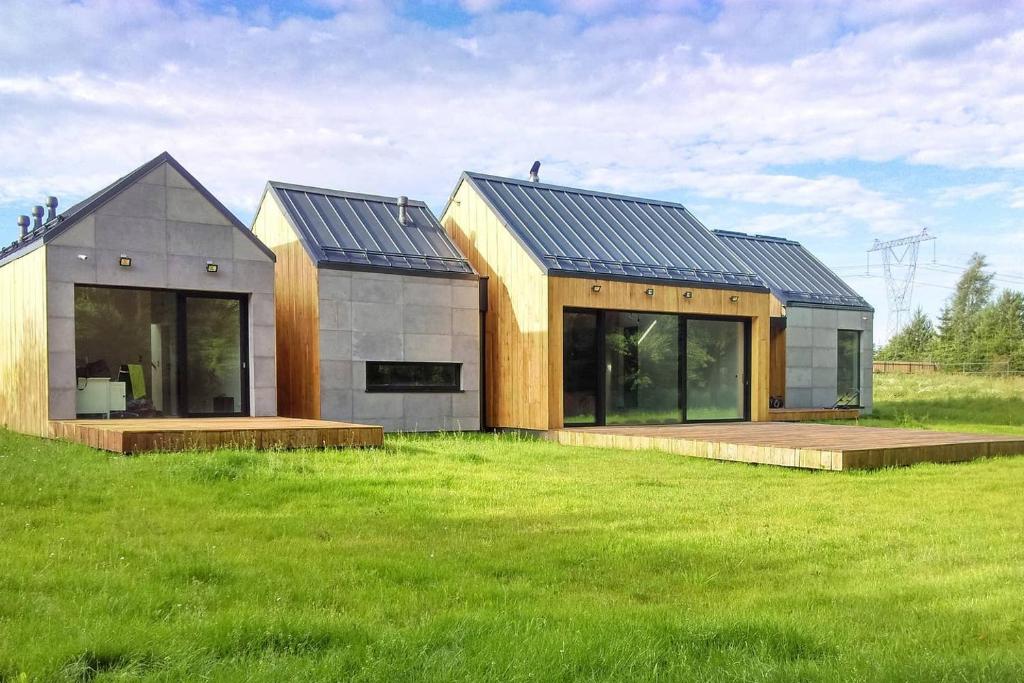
(848, 367)
(642, 368)
(214, 351)
(126, 352)
(413, 377)
(159, 353)
(715, 370)
(626, 367)
(581, 368)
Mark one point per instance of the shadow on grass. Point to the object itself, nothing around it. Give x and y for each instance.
(92, 664)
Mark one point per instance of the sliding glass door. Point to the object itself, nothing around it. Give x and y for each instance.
(159, 353)
(581, 367)
(715, 370)
(642, 368)
(215, 355)
(625, 367)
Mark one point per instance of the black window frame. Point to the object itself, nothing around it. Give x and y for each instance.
(601, 412)
(181, 336)
(379, 388)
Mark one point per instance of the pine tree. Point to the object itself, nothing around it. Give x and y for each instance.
(914, 342)
(1000, 331)
(958, 322)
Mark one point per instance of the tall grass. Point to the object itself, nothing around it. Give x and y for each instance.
(951, 402)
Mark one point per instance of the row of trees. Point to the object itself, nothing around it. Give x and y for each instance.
(974, 327)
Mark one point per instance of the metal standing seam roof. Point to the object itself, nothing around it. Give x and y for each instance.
(360, 231)
(793, 274)
(70, 216)
(582, 232)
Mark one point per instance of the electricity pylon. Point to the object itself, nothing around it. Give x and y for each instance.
(899, 261)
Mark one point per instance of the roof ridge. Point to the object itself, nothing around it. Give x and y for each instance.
(475, 175)
(347, 194)
(747, 236)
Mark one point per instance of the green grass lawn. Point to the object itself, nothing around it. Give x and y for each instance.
(496, 558)
(950, 402)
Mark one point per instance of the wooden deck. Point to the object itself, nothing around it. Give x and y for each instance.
(182, 434)
(811, 446)
(812, 414)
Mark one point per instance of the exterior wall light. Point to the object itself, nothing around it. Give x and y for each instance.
(734, 298)
(125, 261)
(595, 288)
(649, 291)
(211, 267)
(687, 294)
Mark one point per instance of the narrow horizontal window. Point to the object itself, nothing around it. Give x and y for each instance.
(410, 377)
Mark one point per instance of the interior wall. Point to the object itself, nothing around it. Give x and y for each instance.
(24, 392)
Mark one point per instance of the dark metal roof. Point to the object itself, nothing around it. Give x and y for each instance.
(794, 275)
(571, 231)
(361, 231)
(73, 214)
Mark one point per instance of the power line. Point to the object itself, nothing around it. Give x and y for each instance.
(899, 263)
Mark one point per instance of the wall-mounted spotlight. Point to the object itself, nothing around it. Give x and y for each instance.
(734, 298)
(125, 261)
(211, 267)
(649, 291)
(687, 295)
(595, 288)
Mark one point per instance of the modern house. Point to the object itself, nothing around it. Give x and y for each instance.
(378, 314)
(147, 299)
(605, 309)
(821, 334)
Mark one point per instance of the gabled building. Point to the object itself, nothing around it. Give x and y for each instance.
(821, 338)
(608, 309)
(378, 312)
(147, 299)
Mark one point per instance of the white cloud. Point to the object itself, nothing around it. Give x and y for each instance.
(648, 100)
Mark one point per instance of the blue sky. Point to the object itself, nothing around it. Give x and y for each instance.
(835, 123)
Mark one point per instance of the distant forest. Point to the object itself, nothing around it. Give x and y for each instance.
(975, 328)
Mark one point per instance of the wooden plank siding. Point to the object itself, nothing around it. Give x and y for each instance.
(24, 383)
(261, 433)
(575, 292)
(523, 328)
(516, 323)
(297, 308)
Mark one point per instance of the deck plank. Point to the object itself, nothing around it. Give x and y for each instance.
(129, 436)
(799, 444)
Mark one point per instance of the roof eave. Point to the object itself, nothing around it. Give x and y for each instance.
(366, 268)
(671, 282)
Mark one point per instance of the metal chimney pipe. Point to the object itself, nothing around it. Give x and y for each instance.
(51, 205)
(23, 223)
(535, 172)
(403, 210)
(37, 213)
